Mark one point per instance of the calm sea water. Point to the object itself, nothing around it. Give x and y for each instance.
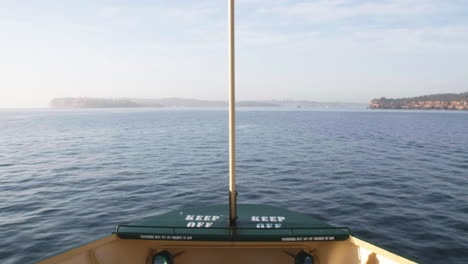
(398, 179)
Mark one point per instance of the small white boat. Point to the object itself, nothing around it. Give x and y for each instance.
(228, 233)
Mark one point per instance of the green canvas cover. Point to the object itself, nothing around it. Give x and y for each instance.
(255, 223)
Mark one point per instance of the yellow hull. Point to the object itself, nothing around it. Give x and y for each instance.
(113, 250)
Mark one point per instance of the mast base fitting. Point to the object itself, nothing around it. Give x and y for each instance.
(233, 223)
(233, 218)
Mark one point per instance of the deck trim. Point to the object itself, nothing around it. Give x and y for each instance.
(380, 251)
(88, 247)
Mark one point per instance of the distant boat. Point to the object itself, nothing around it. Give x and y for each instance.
(228, 233)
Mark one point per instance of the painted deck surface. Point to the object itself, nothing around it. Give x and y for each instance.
(111, 250)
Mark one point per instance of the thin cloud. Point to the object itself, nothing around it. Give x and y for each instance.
(334, 10)
(343, 49)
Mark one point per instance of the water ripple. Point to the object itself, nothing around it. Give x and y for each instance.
(397, 179)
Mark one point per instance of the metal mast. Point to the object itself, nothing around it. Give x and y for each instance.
(232, 122)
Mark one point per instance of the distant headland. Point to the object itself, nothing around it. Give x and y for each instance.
(447, 101)
(88, 102)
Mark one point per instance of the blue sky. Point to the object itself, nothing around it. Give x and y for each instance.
(323, 50)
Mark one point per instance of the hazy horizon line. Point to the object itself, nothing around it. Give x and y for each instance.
(182, 98)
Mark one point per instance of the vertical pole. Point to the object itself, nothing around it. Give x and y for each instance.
(232, 122)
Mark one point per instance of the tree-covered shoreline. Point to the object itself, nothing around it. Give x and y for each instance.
(448, 101)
